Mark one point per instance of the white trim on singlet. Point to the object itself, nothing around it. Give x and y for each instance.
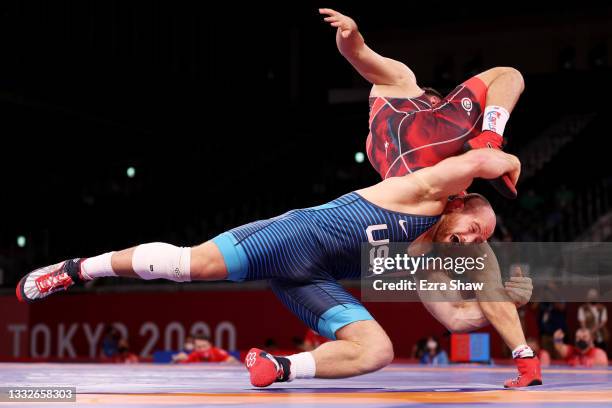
(431, 144)
(393, 107)
(374, 116)
(448, 99)
(406, 114)
(405, 164)
(384, 98)
(428, 105)
(399, 142)
(415, 105)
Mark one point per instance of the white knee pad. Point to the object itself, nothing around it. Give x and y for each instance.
(162, 261)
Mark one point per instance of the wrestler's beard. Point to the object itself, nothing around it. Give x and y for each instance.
(444, 229)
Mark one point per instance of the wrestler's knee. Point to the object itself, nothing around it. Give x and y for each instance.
(376, 357)
(516, 77)
(374, 347)
(509, 73)
(207, 263)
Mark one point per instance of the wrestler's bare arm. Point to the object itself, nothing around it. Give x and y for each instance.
(459, 315)
(455, 174)
(447, 307)
(426, 191)
(375, 68)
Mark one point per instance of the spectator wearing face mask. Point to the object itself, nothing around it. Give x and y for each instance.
(434, 354)
(205, 352)
(583, 353)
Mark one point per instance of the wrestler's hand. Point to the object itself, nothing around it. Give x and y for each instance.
(345, 24)
(515, 170)
(519, 288)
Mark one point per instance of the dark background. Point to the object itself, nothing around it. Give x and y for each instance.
(229, 112)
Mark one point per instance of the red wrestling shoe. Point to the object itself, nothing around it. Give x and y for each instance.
(492, 140)
(266, 369)
(529, 373)
(43, 282)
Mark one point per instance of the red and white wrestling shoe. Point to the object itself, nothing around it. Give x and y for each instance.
(491, 140)
(530, 373)
(43, 282)
(266, 369)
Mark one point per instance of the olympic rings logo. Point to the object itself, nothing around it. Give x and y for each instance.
(250, 359)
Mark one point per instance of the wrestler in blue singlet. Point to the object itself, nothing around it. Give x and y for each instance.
(304, 252)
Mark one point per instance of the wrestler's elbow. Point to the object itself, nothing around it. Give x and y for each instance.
(458, 326)
(454, 323)
(517, 79)
(514, 75)
(465, 320)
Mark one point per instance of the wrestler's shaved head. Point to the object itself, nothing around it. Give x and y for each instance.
(469, 218)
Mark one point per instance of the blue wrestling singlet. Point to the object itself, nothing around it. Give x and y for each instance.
(304, 252)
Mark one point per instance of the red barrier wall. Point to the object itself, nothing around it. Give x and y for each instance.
(72, 325)
(13, 328)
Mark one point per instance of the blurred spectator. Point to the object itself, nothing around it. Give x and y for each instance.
(583, 353)
(110, 342)
(124, 355)
(593, 316)
(312, 340)
(542, 354)
(204, 352)
(551, 317)
(188, 345)
(419, 349)
(433, 354)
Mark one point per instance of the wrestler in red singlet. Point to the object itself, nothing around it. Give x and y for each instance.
(407, 134)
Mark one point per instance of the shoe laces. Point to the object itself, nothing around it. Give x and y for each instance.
(52, 280)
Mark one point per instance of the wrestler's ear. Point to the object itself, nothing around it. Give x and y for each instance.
(456, 204)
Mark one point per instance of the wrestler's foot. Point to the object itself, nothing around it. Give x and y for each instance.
(43, 282)
(266, 369)
(492, 140)
(529, 373)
